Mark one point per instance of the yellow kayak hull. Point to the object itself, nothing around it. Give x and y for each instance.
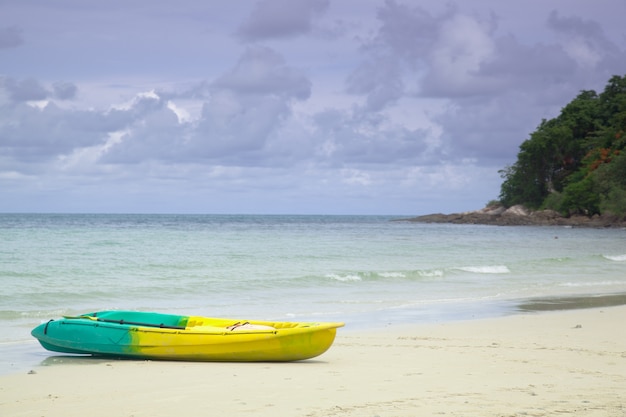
(188, 338)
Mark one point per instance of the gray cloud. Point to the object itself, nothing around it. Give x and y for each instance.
(497, 88)
(10, 37)
(576, 26)
(380, 79)
(350, 139)
(281, 18)
(28, 89)
(31, 134)
(156, 135)
(64, 90)
(585, 42)
(262, 71)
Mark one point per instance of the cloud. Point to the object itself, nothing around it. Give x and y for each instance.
(245, 107)
(262, 71)
(45, 132)
(440, 55)
(407, 31)
(10, 37)
(281, 19)
(583, 40)
(404, 35)
(149, 129)
(380, 79)
(64, 90)
(462, 46)
(248, 105)
(456, 55)
(479, 129)
(242, 109)
(496, 88)
(31, 134)
(28, 89)
(348, 139)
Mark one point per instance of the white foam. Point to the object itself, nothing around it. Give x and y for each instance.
(590, 284)
(489, 269)
(392, 275)
(434, 273)
(618, 258)
(344, 278)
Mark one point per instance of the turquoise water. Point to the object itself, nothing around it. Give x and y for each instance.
(364, 270)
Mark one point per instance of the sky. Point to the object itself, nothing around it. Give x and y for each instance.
(285, 106)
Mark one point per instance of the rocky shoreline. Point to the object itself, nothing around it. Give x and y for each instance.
(521, 216)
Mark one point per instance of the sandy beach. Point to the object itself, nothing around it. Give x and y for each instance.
(530, 364)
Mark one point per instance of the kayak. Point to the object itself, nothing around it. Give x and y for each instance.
(145, 335)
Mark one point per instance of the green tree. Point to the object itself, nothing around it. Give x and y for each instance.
(579, 198)
(576, 162)
(610, 184)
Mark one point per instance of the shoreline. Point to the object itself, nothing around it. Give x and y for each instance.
(24, 356)
(562, 361)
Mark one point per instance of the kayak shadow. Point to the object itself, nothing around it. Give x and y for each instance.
(57, 360)
(77, 360)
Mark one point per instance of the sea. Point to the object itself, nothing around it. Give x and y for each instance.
(367, 271)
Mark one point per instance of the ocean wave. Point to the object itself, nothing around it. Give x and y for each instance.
(618, 258)
(370, 276)
(432, 273)
(487, 269)
(344, 278)
(392, 275)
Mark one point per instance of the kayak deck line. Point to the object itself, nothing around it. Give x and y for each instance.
(123, 322)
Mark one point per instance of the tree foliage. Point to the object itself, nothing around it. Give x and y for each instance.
(576, 162)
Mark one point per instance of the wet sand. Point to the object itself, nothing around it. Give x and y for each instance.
(572, 302)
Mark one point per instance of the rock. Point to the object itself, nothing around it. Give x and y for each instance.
(517, 211)
(520, 216)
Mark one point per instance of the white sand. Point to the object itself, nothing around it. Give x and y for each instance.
(558, 363)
